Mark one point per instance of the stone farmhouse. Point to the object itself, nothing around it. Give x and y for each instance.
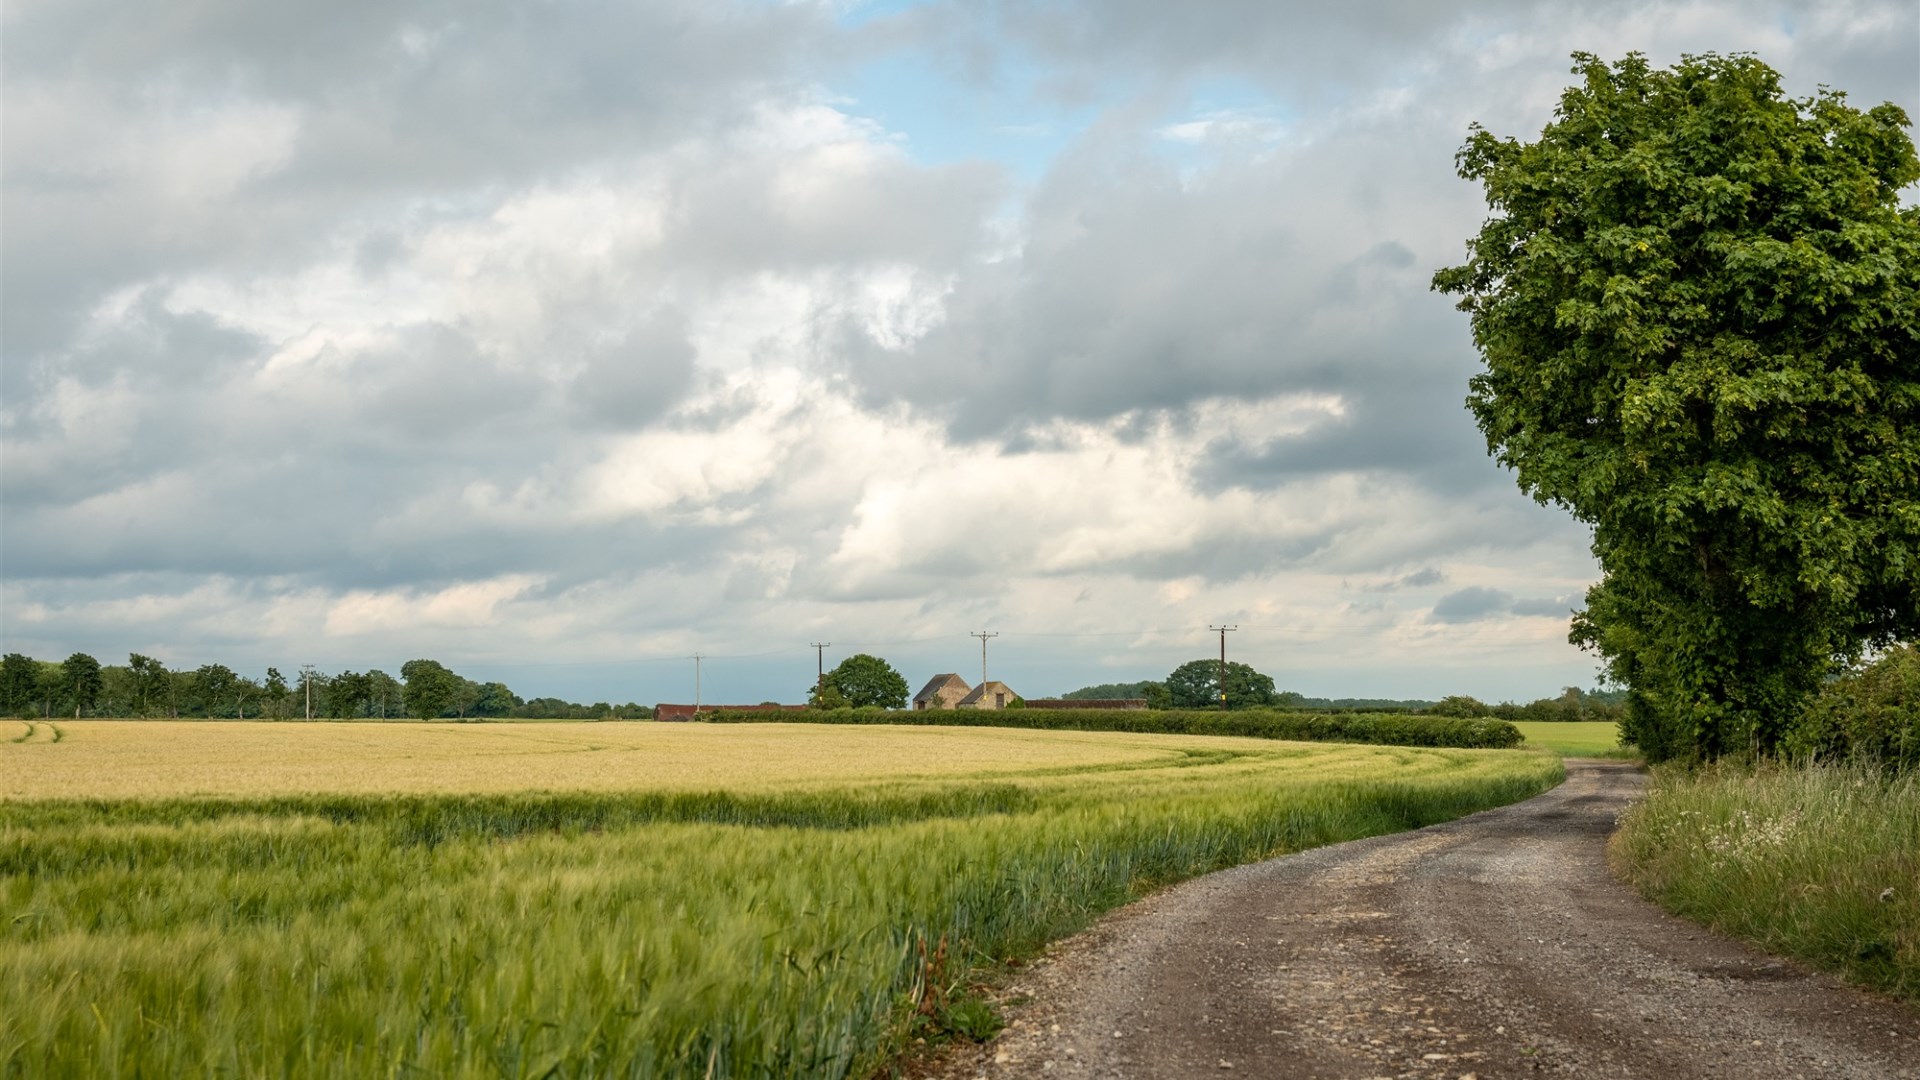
(941, 692)
(950, 691)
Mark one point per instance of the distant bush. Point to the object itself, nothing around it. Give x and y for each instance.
(1392, 729)
(1871, 715)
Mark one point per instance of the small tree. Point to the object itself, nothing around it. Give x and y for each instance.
(868, 680)
(1700, 316)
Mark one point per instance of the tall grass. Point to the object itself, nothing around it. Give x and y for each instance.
(749, 933)
(1821, 863)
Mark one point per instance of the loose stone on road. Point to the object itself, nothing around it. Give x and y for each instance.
(1493, 946)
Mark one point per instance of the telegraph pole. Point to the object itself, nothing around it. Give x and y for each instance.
(820, 664)
(1224, 631)
(306, 676)
(983, 636)
(696, 683)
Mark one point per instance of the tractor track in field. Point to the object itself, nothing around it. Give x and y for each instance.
(1497, 945)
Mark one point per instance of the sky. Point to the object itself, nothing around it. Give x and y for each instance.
(561, 342)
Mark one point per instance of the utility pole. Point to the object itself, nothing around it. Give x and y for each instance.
(306, 676)
(1224, 631)
(820, 664)
(696, 683)
(983, 636)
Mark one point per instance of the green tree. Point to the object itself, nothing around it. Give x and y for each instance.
(83, 681)
(276, 693)
(1698, 303)
(495, 699)
(868, 680)
(213, 686)
(430, 688)
(149, 681)
(1461, 705)
(1196, 685)
(19, 682)
(825, 695)
(347, 694)
(382, 690)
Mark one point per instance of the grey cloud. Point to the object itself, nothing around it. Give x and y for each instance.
(1477, 603)
(633, 380)
(1419, 579)
(1471, 605)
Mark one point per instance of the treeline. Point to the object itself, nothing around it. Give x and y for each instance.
(425, 690)
(1573, 705)
(1197, 684)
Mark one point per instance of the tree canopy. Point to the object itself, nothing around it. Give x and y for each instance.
(1196, 685)
(1698, 304)
(862, 680)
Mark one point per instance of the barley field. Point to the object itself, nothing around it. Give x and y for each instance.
(607, 899)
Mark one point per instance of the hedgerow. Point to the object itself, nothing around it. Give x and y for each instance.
(1389, 729)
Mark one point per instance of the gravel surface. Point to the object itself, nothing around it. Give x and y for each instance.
(1496, 945)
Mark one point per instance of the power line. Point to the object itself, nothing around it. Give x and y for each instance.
(819, 663)
(1224, 631)
(983, 636)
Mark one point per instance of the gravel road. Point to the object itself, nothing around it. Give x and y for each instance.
(1492, 946)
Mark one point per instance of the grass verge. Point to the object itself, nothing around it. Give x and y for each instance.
(1820, 863)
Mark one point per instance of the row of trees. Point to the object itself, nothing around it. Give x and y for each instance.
(143, 686)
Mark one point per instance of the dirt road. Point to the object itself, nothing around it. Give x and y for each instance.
(1492, 946)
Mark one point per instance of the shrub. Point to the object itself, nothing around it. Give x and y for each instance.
(1870, 715)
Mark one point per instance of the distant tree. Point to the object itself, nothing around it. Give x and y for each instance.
(382, 690)
(825, 695)
(212, 687)
(1698, 307)
(1157, 695)
(245, 691)
(275, 692)
(347, 694)
(1108, 691)
(1196, 685)
(495, 699)
(83, 682)
(430, 688)
(50, 688)
(19, 682)
(868, 680)
(1461, 705)
(149, 682)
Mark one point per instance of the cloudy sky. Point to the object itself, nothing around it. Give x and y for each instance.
(560, 341)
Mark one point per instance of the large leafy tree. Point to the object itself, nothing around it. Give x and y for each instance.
(1698, 303)
(861, 679)
(430, 688)
(1196, 684)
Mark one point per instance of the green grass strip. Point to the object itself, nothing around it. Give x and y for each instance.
(1821, 863)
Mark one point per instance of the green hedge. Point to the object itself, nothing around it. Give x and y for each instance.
(1392, 729)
